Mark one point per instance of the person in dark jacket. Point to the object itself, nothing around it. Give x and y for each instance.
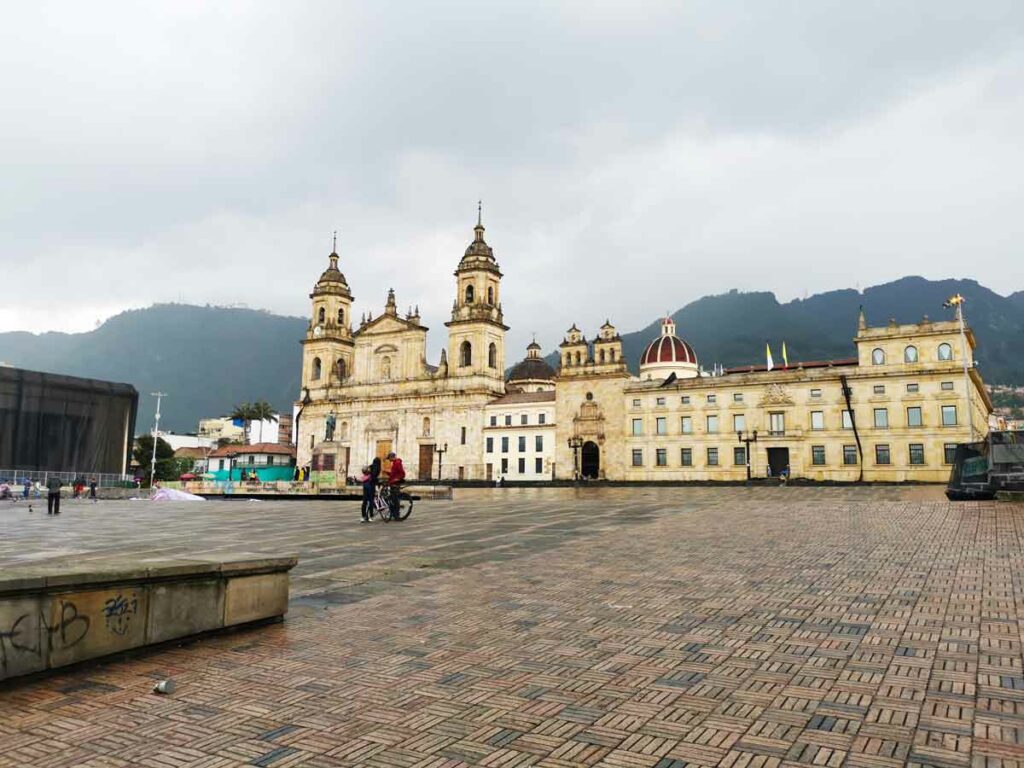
(369, 486)
(53, 495)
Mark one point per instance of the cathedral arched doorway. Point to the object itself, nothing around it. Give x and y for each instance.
(590, 460)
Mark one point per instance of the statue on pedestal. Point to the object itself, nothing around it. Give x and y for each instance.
(329, 434)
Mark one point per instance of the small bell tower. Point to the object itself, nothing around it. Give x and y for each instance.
(327, 350)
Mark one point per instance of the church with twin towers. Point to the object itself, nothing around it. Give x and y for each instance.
(893, 410)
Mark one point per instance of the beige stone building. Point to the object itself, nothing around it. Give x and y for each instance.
(368, 389)
(891, 413)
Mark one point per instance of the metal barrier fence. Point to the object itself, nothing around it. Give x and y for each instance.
(16, 477)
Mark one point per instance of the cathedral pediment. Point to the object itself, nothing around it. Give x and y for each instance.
(385, 324)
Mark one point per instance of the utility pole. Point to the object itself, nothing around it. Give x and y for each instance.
(156, 432)
(957, 301)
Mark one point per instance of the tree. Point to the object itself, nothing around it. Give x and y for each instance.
(247, 413)
(243, 413)
(166, 466)
(263, 411)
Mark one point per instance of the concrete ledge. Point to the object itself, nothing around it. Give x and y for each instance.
(51, 618)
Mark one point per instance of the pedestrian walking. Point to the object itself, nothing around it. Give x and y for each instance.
(53, 495)
(92, 489)
(26, 486)
(369, 479)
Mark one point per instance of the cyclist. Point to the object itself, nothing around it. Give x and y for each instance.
(370, 477)
(395, 477)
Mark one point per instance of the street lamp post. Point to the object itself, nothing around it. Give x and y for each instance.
(750, 438)
(958, 302)
(575, 442)
(156, 432)
(440, 454)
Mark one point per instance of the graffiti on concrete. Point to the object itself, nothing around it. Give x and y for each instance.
(119, 611)
(23, 635)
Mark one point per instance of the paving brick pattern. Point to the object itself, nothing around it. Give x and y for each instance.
(619, 627)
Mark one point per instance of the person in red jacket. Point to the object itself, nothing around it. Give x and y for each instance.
(396, 474)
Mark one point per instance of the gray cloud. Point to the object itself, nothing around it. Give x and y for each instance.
(632, 156)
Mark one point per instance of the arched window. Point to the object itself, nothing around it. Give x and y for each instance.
(910, 354)
(321, 316)
(577, 358)
(344, 430)
(317, 368)
(469, 294)
(568, 360)
(490, 295)
(341, 369)
(601, 357)
(466, 353)
(426, 426)
(492, 356)
(613, 355)
(341, 317)
(945, 351)
(385, 367)
(877, 357)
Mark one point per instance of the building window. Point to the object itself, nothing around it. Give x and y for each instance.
(490, 295)
(321, 316)
(492, 356)
(341, 317)
(469, 294)
(914, 416)
(508, 420)
(504, 466)
(739, 456)
(910, 354)
(877, 357)
(490, 445)
(881, 454)
(524, 419)
(818, 455)
(849, 454)
(847, 420)
(777, 423)
(270, 460)
(712, 399)
(881, 418)
(945, 352)
(912, 388)
(220, 464)
(522, 466)
(466, 354)
(686, 425)
(712, 457)
(661, 457)
(538, 466)
(737, 397)
(636, 403)
(947, 386)
(917, 454)
(638, 426)
(494, 421)
(739, 422)
(538, 443)
(601, 357)
(317, 368)
(815, 393)
(878, 389)
(949, 453)
(660, 401)
(686, 457)
(542, 418)
(817, 419)
(712, 424)
(638, 457)
(522, 443)
(949, 415)
(504, 445)
(685, 400)
(661, 425)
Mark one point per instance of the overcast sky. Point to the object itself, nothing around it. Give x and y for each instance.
(631, 156)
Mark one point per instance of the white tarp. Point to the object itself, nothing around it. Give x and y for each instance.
(170, 494)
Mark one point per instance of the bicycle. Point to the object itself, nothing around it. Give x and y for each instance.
(402, 509)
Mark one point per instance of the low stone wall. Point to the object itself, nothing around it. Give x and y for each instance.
(51, 618)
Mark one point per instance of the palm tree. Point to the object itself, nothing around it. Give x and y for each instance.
(244, 413)
(262, 411)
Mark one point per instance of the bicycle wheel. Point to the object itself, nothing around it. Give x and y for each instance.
(404, 506)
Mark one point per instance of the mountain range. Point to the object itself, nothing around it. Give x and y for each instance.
(211, 358)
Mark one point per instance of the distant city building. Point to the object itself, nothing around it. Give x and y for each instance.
(894, 412)
(177, 441)
(197, 456)
(222, 428)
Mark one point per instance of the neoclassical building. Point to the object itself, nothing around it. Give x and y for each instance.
(891, 412)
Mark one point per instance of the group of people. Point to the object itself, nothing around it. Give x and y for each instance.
(371, 479)
(301, 474)
(53, 487)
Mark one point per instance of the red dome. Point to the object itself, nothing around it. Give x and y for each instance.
(668, 349)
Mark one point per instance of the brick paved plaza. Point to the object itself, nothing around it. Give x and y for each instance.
(552, 627)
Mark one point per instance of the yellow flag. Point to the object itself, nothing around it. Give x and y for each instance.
(785, 360)
(768, 351)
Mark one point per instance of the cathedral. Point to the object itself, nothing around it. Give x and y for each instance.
(893, 411)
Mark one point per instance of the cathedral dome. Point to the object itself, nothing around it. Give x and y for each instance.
(532, 374)
(668, 354)
(332, 280)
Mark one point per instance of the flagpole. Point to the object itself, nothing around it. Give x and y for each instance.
(967, 377)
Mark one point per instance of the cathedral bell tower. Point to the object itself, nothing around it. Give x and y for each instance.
(327, 350)
(476, 332)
